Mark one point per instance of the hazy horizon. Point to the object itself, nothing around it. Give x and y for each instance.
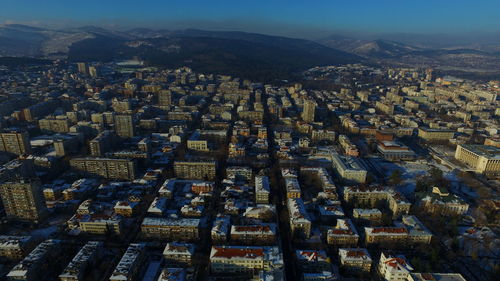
(361, 19)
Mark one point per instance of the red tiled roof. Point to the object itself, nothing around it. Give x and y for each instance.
(428, 276)
(356, 254)
(341, 231)
(389, 230)
(395, 261)
(312, 255)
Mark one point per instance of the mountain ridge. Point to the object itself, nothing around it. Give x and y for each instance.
(395, 53)
(222, 50)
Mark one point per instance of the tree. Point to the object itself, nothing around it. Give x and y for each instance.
(452, 226)
(395, 177)
(435, 256)
(436, 175)
(370, 179)
(422, 186)
(455, 246)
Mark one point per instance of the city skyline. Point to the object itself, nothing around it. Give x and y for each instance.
(235, 140)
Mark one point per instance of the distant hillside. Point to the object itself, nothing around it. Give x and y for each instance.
(383, 49)
(22, 61)
(471, 58)
(249, 55)
(341, 42)
(306, 46)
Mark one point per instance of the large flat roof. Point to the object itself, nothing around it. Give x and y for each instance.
(490, 152)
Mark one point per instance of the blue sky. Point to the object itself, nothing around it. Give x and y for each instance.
(271, 16)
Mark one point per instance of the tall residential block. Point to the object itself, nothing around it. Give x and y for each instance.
(105, 167)
(16, 142)
(82, 67)
(203, 170)
(124, 126)
(164, 98)
(308, 113)
(23, 200)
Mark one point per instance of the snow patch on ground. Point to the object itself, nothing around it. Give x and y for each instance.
(44, 232)
(151, 271)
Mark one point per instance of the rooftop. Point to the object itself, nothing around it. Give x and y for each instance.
(487, 151)
(13, 241)
(128, 261)
(34, 259)
(149, 221)
(437, 277)
(271, 255)
(312, 255)
(386, 230)
(80, 260)
(352, 254)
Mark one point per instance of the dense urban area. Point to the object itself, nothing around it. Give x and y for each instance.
(119, 171)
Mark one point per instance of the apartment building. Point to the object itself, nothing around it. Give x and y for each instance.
(195, 142)
(323, 135)
(343, 234)
(367, 215)
(325, 180)
(262, 190)
(55, 125)
(202, 187)
(386, 235)
(126, 208)
(220, 229)
(88, 255)
(15, 247)
(417, 231)
(300, 223)
(349, 148)
(355, 260)
(179, 254)
(309, 110)
(409, 231)
(172, 274)
(262, 234)
(80, 189)
(239, 173)
(349, 168)
(202, 170)
(101, 143)
(99, 224)
(431, 135)
(393, 268)
(313, 260)
(130, 264)
(33, 266)
(124, 169)
(181, 229)
(24, 200)
(385, 107)
(16, 142)
(329, 213)
(373, 195)
(292, 188)
(238, 259)
(164, 98)
(124, 125)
